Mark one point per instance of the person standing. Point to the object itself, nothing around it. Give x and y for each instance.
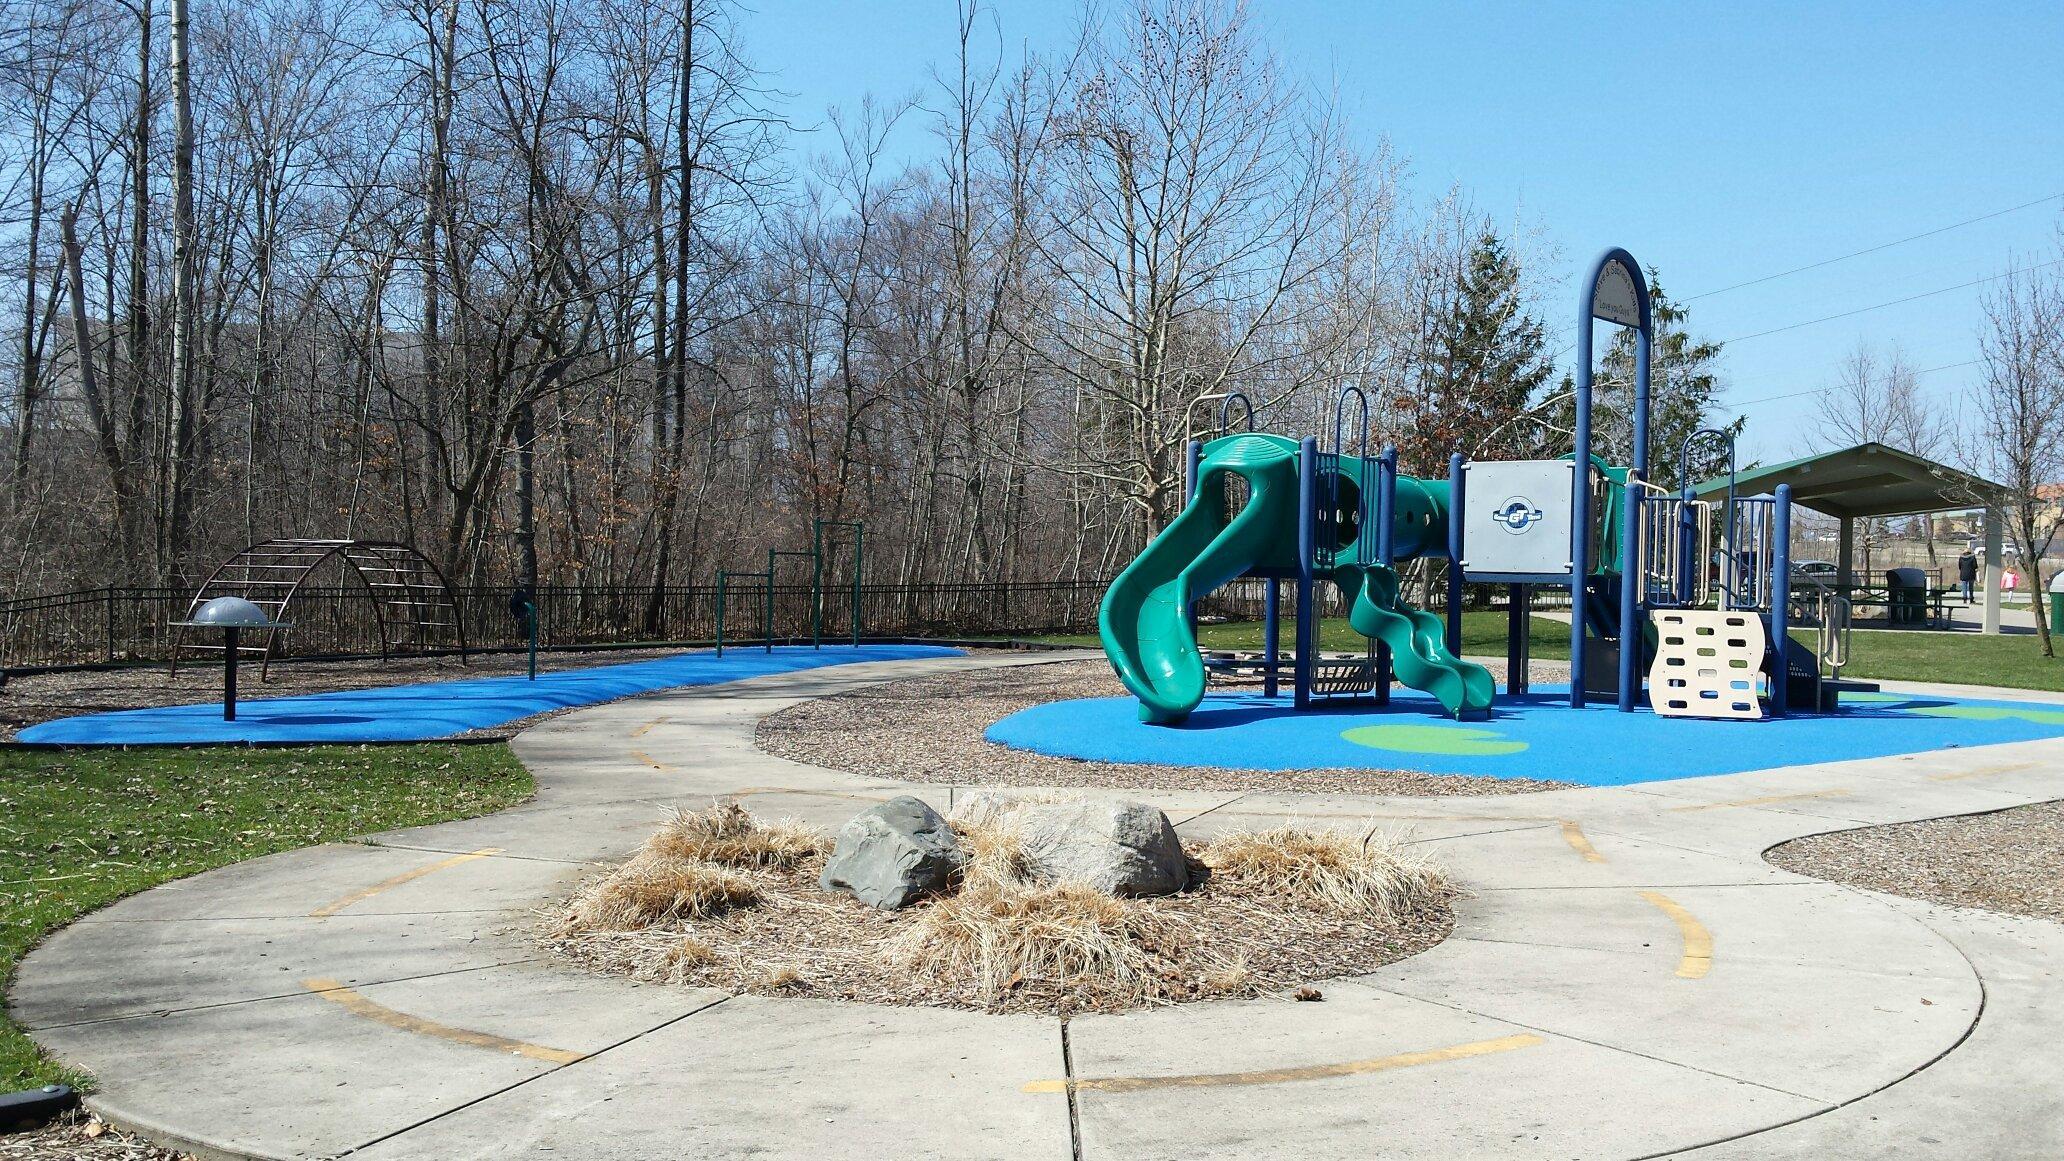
(1967, 573)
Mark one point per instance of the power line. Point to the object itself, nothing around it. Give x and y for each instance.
(1894, 302)
(1741, 403)
(1875, 249)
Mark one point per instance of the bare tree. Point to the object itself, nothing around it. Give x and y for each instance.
(2017, 435)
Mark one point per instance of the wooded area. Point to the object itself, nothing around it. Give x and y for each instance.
(417, 270)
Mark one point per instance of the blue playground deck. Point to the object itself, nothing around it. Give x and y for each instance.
(414, 713)
(1535, 735)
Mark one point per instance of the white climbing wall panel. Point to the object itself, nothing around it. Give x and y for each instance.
(1707, 663)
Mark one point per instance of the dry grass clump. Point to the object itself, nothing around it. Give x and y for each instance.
(994, 937)
(651, 890)
(729, 835)
(1366, 875)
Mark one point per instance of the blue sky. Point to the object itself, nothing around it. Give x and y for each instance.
(1717, 142)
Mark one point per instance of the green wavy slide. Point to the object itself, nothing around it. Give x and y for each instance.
(1144, 619)
(1419, 654)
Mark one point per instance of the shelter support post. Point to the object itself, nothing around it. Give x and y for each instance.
(1995, 565)
(1845, 552)
(1781, 602)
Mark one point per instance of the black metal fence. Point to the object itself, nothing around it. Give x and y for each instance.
(105, 625)
(112, 625)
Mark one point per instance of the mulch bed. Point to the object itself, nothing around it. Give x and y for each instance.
(802, 940)
(930, 730)
(80, 1136)
(2010, 860)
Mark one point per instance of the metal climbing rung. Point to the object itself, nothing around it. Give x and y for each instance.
(1343, 677)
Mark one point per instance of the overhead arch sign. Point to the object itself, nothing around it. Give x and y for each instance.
(1616, 297)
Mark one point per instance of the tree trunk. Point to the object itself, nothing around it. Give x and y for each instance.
(179, 466)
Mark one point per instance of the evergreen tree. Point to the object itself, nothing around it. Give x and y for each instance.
(1483, 362)
(1683, 380)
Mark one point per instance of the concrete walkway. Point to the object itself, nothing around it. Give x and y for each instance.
(1627, 979)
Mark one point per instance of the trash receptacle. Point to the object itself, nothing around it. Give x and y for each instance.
(2057, 602)
(1906, 592)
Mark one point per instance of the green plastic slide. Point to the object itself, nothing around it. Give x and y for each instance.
(1419, 654)
(1145, 621)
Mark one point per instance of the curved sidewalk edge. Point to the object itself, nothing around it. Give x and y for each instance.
(1627, 978)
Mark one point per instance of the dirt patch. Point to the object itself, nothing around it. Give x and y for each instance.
(999, 943)
(41, 697)
(930, 730)
(2005, 861)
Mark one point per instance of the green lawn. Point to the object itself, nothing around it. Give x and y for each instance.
(80, 829)
(2011, 661)
(1483, 633)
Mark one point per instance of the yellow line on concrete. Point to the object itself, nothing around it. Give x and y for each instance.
(1766, 800)
(751, 791)
(329, 909)
(379, 1013)
(1574, 836)
(1286, 1075)
(641, 731)
(1697, 959)
(1982, 771)
(651, 761)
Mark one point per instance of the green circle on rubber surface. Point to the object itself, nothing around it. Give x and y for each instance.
(1468, 741)
(1993, 713)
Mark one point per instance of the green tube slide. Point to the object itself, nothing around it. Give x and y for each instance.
(1144, 620)
(1419, 654)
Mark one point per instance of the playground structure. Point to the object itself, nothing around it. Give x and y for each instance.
(414, 606)
(766, 577)
(1641, 564)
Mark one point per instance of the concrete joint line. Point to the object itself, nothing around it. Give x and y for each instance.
(1571, 1036)
(273, 998)
(385, 846)
(508, 1088)
(1983, 997)
(1212, 809)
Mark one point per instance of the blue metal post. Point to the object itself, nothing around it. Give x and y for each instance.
(1193, 477)
(1386, 552)
(1455, 553)
(1633, 594)
(1781, 601)
(1580, 500)
(1271, 636)
(1688, 554)
(1307, 546)
(1630, 589)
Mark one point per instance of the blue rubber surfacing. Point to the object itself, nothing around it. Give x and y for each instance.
(424, 712)
(1535, 735)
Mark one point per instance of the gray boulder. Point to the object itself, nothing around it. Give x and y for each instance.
(893, 854)
(1117, 846)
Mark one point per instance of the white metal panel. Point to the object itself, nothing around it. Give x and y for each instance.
(1516, 518)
